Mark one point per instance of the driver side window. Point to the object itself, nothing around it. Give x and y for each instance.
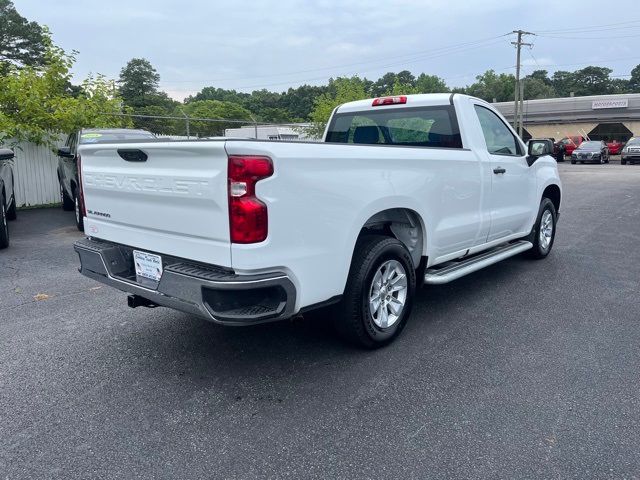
(499, 139)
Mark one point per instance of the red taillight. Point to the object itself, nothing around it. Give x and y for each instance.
(389, 101)
(248, 222)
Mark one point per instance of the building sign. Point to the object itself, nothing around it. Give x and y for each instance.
(598, 104)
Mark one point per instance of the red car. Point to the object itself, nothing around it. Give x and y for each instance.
(567, 145)
(615, 147)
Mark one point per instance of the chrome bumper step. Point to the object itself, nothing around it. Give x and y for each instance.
(454, 270)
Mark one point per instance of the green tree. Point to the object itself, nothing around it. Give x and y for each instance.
(538, 85)
(138, 80)
(634, 81)
(491, 86)
(430, 84)
(340, 90)
(213, 109)
(390, 82)
(36, 106)
(213, 93)
(542, 75)
(592, 81)
(299, 102)
(22, 43)
(563, 83)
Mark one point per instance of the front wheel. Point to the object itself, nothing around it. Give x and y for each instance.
(12, 212)
(78, 210)
(573, 162)
(67, 202)
(544, 232)
(623, 161)
(4, 226)
(379, 294)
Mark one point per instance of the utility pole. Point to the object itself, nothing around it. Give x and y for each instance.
(517, 94)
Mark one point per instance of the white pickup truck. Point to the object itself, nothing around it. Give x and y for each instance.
(403, 191)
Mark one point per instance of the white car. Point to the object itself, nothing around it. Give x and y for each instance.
(404, 191)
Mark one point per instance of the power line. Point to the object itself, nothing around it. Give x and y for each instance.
(352, 72)
(397, 58)
(591, 27)
(587, 38)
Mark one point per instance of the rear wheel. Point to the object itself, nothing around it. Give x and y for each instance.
(78, 211)
(67, 202)
(4, 226)
(544, 232)
(379, 294)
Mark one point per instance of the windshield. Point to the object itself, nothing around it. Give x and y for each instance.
(589, 145)
(634, 141)
(102, 137)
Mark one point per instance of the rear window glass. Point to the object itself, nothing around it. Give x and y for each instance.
(99, 137)
(419, 127)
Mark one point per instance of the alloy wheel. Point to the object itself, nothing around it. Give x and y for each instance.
(388, 294)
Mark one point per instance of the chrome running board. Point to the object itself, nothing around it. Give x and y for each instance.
(460, 268)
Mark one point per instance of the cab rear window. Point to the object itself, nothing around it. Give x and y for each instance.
(418, 127)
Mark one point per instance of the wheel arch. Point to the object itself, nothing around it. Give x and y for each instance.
(404, 224)
(553, 193)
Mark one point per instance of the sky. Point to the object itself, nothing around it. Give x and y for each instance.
(248, 45)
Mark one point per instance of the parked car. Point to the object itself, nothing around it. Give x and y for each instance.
(631, 151)
(70, 190)
(594, 151)
(8, 210)
(565, 146)
(405, 191)
(615, 147)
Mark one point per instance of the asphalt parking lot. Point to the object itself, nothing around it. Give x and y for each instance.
(524, 370)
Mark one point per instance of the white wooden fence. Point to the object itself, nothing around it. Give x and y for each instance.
(35, 174)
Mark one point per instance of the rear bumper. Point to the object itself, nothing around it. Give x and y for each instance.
(214, 293)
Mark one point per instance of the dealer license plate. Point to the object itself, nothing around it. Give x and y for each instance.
(148, 265)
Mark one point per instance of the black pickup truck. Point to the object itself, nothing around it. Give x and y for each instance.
(7, 195)
(70, 187)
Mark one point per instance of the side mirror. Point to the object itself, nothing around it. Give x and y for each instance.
(65, 152)
(6, 154)
(537, 148)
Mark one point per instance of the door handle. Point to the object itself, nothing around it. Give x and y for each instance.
(498, 170)
(132, 155)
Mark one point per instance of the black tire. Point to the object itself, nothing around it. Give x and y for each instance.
(623, 161)
(4, 225)
(77, 211)
(353, 318)
(67, 202)
(573, 162)
(539, 250)
(12, 212)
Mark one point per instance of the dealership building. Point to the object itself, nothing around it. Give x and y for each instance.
(600, 117)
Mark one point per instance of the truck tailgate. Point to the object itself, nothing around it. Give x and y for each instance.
(172, 202)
